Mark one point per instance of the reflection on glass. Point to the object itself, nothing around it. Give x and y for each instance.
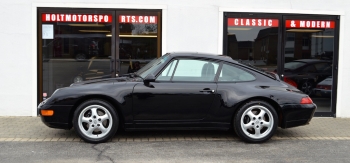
(137, 41)
(254, 45)
(308, 63)
(78, 52)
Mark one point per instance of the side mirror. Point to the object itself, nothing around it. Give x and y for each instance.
(149, 78)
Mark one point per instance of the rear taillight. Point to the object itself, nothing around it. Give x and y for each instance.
(326, 87)
(306, 100)
(290, 81)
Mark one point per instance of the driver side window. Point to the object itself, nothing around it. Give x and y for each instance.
(189, 70)
(167, 73)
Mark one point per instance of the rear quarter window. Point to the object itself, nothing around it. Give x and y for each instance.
(231, 73)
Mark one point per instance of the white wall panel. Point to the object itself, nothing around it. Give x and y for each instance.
(192, 28)
(15, 63)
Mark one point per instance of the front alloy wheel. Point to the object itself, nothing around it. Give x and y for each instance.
(255, 122)
(95, 121)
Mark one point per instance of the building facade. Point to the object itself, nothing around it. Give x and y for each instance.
(51, 44)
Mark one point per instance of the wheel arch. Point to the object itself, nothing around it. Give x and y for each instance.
(272, 102)
(105, 98)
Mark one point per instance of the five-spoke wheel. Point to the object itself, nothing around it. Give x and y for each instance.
(255, 122)
(307, 87)
(95, 121)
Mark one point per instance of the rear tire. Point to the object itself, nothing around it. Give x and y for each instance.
(95, 121)
(255, 122)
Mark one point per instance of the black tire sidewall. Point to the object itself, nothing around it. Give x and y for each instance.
(239, 114)
(112, 111)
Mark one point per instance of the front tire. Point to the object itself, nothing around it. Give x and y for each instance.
(255, 122)
(95, 121)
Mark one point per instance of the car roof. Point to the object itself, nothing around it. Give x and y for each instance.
(203, 55)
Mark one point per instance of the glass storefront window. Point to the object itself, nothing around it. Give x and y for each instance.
(253, 41)
(138, 40)
(75, 47)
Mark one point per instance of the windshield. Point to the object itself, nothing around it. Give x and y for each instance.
(151, 66)
(293, 65)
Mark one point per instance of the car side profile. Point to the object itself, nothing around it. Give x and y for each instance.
(180, 91)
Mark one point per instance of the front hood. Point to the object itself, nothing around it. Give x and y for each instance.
(107, 80)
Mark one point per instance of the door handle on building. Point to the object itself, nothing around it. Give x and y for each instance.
(111, 65)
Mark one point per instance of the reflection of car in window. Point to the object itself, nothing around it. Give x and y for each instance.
(324, 88)
(305, 74)
(77, 46)
(96, 69)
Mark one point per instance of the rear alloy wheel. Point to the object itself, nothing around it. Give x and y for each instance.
(255, 122)
(307, 87)
(95, 121)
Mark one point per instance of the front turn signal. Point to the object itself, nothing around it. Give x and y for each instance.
(47, 113)
(306, 100)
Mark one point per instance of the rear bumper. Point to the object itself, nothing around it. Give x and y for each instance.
(322, 92)
(61, 118)
(296, 115)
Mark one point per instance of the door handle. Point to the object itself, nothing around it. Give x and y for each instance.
(207, 90)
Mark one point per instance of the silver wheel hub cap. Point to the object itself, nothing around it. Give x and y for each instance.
(95, 121)
(257, 122)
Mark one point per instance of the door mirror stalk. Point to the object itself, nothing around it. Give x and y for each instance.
(148, 79)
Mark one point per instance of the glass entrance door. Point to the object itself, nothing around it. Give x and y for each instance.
(138, 39)
(310, 58)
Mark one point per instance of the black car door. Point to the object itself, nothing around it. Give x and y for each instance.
(183, 91)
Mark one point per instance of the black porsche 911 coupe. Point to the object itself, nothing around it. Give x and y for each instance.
(180, 91)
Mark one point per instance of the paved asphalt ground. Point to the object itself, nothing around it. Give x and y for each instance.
(32, 129)
(27, 139)
(320, 151)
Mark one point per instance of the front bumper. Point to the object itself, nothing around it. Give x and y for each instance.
(61, 117)
(297, 115)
